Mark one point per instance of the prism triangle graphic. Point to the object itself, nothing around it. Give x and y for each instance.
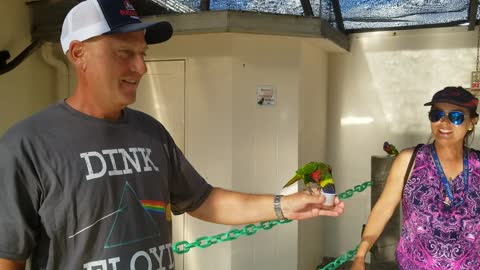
(132, 222)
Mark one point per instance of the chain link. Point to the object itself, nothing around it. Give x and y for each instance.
(206, 241)
(340, 260)
(358, 188)
(250, 229)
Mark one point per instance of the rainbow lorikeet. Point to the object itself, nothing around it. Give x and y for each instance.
(315, 172)
(390, 149)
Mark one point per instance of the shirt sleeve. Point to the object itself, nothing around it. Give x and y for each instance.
(188, 188)
(19, 201)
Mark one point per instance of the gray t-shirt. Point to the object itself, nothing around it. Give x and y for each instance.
(79, 192)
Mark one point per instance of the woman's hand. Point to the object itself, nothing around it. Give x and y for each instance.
(358, 263)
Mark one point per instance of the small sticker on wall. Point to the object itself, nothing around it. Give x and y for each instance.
(266, 96)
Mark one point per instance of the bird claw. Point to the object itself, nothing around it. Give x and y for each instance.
(313, 190)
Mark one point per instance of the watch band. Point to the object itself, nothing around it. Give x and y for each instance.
(277, 208)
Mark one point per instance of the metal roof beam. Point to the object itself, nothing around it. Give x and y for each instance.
(307, 7)
(472, 14)
(204, 5)
(338, 15)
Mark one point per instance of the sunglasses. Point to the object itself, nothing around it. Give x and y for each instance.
(456, 117)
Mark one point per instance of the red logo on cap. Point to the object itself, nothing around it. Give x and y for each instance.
(472, 103)
(129, 9)
(127, 5)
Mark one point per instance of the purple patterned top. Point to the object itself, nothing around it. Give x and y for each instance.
(434, 236)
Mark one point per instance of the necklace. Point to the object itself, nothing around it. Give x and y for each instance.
(446, 185)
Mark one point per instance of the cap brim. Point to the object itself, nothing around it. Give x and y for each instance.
(156, 32)
(428, 104)
(449, 102)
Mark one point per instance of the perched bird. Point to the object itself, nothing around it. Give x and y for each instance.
(315, 172)
(390, 149)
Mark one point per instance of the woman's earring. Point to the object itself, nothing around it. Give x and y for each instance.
(470, 129)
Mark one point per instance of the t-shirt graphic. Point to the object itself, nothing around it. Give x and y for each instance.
(133, 222)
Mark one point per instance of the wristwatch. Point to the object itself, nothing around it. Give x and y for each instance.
(277, 208)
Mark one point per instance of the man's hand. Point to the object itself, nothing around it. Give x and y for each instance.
(303, 205)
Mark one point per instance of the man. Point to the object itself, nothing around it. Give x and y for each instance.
(88, 183)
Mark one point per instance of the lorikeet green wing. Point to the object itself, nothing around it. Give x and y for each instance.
(313, 172)
(300, 173)
(390, 149)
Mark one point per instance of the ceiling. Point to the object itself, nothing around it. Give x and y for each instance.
(341, 16)
(336, 18)
(349, 16)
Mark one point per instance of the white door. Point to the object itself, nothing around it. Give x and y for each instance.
(161, 94)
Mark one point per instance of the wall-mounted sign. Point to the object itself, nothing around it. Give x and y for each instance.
(266, 95)
(475, 85)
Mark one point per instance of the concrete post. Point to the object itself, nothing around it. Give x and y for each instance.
(383, 252)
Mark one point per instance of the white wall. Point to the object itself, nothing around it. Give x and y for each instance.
(265, 140)
(238, 145)
(207, 128)
(387, 77)
(313, 140)
(31, 85)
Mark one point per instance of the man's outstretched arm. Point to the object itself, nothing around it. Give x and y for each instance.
(233, 208)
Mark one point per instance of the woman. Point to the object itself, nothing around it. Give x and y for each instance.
(441, 198)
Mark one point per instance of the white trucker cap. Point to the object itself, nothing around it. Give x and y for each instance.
(91, 18)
